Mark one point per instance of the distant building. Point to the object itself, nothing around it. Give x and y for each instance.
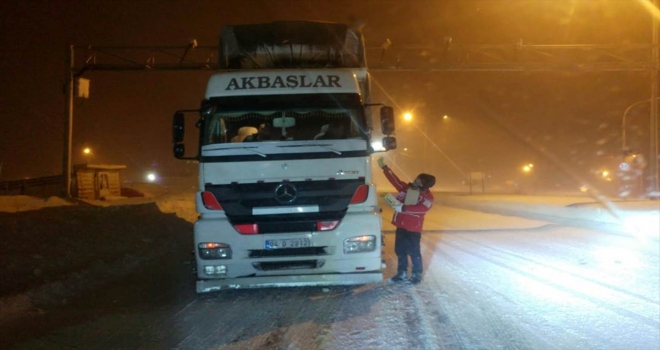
(96, 181)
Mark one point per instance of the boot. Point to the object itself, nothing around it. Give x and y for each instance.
(399, 277)
(415, 278)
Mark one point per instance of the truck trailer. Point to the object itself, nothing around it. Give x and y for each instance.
(286, 194)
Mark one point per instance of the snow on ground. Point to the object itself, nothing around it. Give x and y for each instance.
(182, 204)
(51, 255)
(179, 200)
(13, 204)
(127, 233)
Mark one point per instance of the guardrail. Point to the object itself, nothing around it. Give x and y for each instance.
(38, 187)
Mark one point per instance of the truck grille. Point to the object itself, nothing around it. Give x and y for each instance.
(268, 253)
(288, 265)
(331, 196)
(286, 226)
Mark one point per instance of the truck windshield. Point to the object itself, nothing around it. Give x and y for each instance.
(284, 118)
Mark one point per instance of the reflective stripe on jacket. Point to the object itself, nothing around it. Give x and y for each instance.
(411, 217)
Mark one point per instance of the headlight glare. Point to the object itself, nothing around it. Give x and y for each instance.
(215, 270)
(359, 244)
(212, 250)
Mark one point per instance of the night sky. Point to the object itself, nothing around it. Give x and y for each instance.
(568, 123)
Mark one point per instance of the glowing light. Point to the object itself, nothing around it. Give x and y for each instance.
(445, 117)
(643, 225)
(87, 150)
(151, 177)
(651, 8)
(407, 116)
(377, 146)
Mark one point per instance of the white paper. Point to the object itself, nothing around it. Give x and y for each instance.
(391, 200)
(412, 196)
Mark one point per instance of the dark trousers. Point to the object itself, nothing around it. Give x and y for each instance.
(406, 243)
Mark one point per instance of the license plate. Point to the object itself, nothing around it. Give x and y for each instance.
(288, 243)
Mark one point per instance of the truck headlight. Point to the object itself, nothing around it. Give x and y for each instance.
(212, 250)
(359, 244)
(215, 270)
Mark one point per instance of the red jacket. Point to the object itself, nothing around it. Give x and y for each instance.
(411, 217)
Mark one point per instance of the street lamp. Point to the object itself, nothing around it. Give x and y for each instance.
(87, 152)
(408, 117)
(529, 178)
(624, 146)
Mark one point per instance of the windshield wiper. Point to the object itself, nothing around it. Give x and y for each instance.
(253, 151)
(318, 145)
(245, 148)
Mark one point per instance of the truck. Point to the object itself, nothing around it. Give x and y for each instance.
(285, 139)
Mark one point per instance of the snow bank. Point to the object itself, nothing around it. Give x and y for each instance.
(181, 204)
(14, 204)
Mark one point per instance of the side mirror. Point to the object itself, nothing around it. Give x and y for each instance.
(178, 127)
(389, 143)
(179, 150)
(387, 120)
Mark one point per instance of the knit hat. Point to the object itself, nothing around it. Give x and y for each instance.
(427, 181)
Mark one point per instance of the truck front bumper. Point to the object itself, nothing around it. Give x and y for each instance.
(210, 285)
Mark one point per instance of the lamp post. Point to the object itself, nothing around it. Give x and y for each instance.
(654, 140)
(624, 145)
(68, 124)
(654, 137)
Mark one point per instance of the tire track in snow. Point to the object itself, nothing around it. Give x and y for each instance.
(591, 280)
(475, 323)
(565, 287)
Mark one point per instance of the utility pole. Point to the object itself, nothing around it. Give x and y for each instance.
(654, 190)
(68, 124)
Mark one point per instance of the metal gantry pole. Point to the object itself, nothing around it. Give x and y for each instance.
(68, 124)
(653, 122)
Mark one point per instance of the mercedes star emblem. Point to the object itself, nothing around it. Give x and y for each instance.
(286, 193)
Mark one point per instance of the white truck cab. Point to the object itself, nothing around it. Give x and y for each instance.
(286, 195)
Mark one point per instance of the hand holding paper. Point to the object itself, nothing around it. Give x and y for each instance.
(393, 202)
(381, 162)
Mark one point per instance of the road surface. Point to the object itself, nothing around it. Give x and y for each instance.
(535, 287)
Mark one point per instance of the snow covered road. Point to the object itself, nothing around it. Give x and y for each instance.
(528, 286)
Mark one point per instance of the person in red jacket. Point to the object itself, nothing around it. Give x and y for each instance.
(416, 199)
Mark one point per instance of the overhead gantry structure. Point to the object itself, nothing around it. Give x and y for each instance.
(387, 57)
